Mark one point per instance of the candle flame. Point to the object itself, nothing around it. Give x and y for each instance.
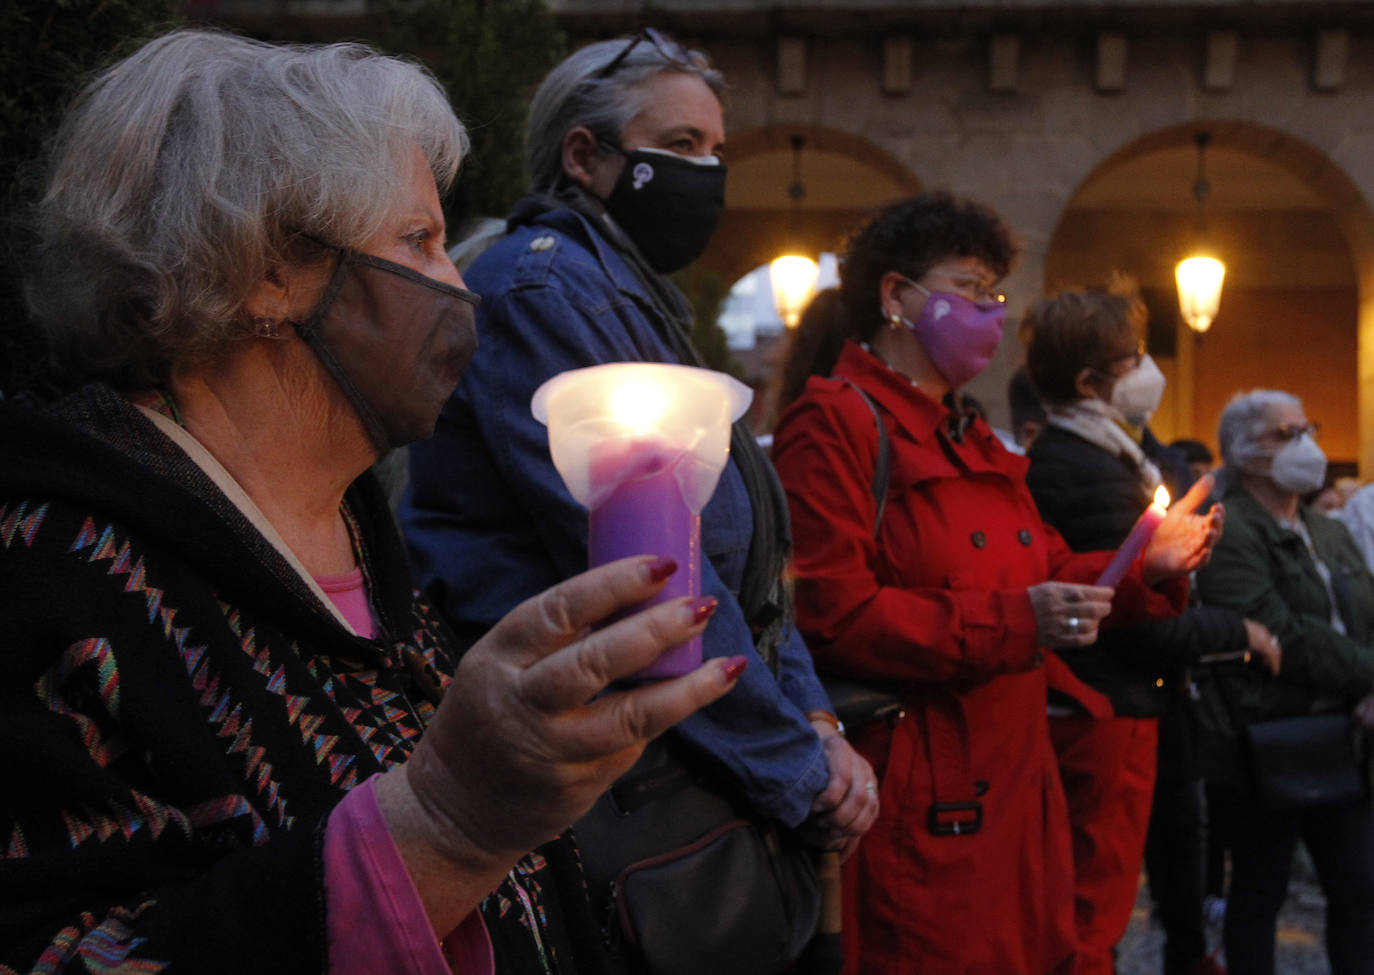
(638, 404)
(1161, 497)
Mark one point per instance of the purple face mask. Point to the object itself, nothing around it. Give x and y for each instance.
(959, 335)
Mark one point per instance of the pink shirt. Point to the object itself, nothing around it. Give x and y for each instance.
(375, 920)
(348, 593)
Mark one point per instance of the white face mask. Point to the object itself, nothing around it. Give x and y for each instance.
(1299, 466)
(1136, 395)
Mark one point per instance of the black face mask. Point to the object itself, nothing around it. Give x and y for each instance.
(395, 341)
(668, 205)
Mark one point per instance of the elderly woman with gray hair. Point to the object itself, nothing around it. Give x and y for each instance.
(1300, 575)
(235, 739)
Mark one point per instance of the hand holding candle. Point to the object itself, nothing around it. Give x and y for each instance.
(1183, 541)
(1141, 533)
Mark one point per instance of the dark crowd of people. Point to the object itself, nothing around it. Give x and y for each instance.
(262, 714)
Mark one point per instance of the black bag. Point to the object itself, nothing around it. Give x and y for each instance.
(1306, 761)
(688, 880)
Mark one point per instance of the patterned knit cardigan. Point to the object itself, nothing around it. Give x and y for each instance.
(178, 714)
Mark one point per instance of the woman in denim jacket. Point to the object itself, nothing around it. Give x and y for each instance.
(623, 149)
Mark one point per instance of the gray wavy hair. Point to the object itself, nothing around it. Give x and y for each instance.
(1242, 422)
(184, 173)
(573, 95)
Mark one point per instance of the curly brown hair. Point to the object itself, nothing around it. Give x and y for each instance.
(910, 236)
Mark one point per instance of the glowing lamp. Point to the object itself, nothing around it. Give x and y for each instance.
(1199, 290)
(794, 282)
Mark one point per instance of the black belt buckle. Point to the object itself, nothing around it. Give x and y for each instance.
(949, 819)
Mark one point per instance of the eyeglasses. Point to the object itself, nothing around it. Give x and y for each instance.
(667, 48)
(1136, 357)
(1291, 431)
(969, 286)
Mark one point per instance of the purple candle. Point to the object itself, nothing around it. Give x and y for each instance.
(641, 445)
(1141, 533)
(644, 513)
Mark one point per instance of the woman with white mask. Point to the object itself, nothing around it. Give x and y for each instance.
(1093, 469)
(1302, 576)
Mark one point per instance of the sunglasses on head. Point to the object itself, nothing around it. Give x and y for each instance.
(668, 49)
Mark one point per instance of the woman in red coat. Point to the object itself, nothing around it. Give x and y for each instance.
(951, 592)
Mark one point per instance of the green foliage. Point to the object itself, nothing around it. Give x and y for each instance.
(47, 48)
(490, 55)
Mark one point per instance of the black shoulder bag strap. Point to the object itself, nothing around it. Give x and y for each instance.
(857, 702)
(882, 468)
(956, 809)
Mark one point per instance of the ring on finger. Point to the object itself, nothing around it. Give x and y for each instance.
(1073, 624)
(871, 788)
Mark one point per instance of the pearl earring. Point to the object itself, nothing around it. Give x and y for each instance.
(266, 328)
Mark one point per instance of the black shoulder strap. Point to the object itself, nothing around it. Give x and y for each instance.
(883, 467)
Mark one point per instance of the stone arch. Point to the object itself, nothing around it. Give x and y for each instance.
(845, 175)
(1326, 287)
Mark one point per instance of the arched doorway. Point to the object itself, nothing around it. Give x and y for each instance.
(1298, 241)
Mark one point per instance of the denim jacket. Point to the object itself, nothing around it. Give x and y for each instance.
(489, 522)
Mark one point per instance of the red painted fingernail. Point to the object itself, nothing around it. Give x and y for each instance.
(732, 667)
(661, 568)
(702, 607)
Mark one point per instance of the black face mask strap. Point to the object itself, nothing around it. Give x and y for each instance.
(410, 274)
(311, 325)
(609, 146)
(309, 331)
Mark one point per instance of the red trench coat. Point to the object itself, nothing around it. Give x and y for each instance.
(938, 603)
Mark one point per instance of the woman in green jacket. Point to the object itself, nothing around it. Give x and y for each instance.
(1300, 574)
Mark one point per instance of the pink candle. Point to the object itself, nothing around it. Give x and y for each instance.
(644, 513)
(1136, 541)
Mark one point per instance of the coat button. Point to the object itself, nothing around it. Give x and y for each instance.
(1024, 536)
(978, 539)
(542, 243)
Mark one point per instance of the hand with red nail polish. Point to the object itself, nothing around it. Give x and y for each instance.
(733, 667)
(528, 735)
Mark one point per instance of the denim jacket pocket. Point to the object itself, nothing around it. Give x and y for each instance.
(727, 527)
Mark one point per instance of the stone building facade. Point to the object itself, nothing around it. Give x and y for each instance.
(1076, 121)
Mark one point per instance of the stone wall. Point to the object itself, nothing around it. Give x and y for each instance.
(1073, 101)
(1052, 111)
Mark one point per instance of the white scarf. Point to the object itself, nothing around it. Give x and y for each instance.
(1100, 424)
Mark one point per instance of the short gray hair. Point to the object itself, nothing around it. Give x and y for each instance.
(184, 173)
(1242, 422)
(573, 95)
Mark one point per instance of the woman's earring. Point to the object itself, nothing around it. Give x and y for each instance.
(894, 320)
(267, 328)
